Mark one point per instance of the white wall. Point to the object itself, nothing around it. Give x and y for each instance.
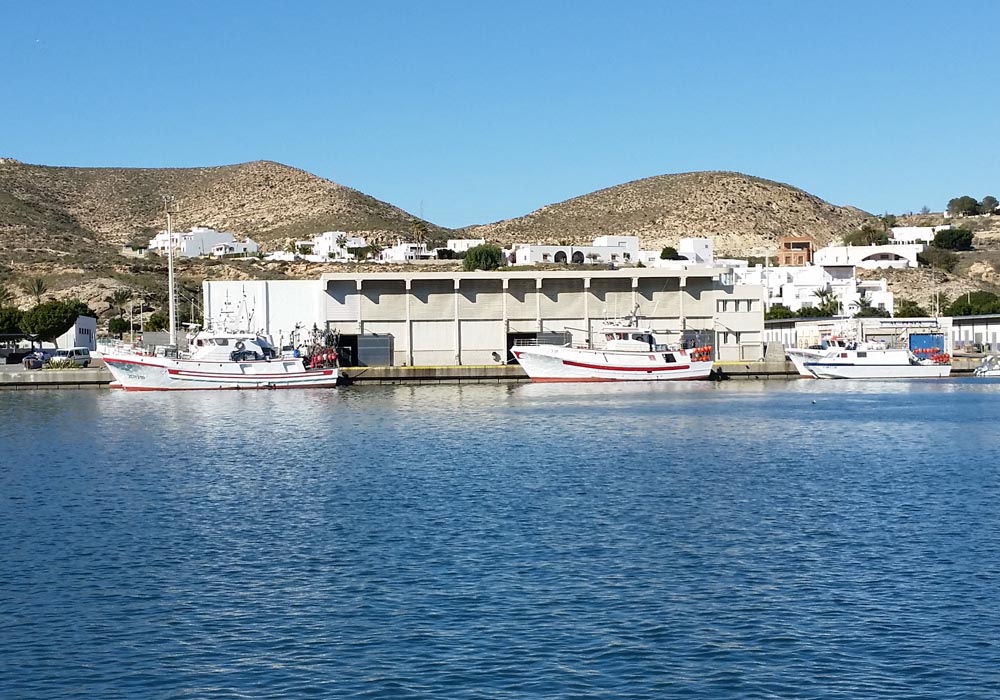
(83, 334)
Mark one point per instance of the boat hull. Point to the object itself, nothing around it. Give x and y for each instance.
(829, 370)
(563, 364)
(134, 373)
(800, 357)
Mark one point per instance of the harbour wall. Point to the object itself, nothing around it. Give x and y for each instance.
(99, 377)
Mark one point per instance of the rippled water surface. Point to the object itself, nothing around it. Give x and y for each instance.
(740, 540)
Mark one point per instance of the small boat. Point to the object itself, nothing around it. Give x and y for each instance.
(874, 361)
(218, 360)
(800, 356)
(989, 366)
(630, 353)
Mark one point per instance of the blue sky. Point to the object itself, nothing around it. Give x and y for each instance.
(471, 112)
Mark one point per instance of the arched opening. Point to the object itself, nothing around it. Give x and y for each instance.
(578, 257)
(560, 257)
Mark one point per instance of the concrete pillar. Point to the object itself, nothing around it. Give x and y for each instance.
(409, 322)
(458, 327)
(361, 323)
(538, 303)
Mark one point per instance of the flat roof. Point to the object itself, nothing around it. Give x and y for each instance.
(694, 270)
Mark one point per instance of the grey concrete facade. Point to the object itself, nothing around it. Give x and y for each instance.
(463, 318)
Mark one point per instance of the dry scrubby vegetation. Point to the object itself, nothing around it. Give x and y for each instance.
(66, 225)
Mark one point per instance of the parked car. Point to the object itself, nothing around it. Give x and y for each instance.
(79, 356)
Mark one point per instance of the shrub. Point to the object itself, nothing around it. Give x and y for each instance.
(906, 308)
(974, 304)
(939, 258)
(483, 257)
(670, 253)
(953, 239)
(866, 235)
(778, 311)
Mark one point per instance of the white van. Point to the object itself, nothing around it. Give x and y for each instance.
(79, 356)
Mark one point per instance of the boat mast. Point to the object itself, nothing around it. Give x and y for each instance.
(167, 204)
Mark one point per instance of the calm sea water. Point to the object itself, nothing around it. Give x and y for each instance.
(737, 540)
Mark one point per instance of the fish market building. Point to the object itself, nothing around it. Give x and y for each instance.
(473, 318)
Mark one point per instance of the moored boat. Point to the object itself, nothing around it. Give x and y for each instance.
(868, 361)
(218, 360)
(630, 353)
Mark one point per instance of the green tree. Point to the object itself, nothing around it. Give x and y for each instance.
(939, 258)
(670, 253)
(10, 320)
(6, 296)
(888, 221)
(35, 287)
(809, 311)
(963, 206)
(906, 308)
(866, 310)
(118, 327)
(974, 304)
(119, 299)
(988, 205)
(778, 311)
(49, 320)
(157, 321)
(867, 234)
(828, 303)
(445, 254)
(80, 308)
(958, 238)
(418, 230)
(483, 257)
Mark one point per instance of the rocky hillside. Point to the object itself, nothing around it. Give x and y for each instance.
(744, 215)
(264, 200)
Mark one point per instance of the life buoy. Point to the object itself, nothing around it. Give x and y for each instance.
(240, 345)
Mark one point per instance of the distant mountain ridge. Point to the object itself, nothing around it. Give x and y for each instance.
(744, 215)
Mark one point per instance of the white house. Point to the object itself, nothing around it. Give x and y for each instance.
(462, 245)
(405, 252)
(914, 234)
(331, 245)
(870, 257)
(198, 241)
(244, 248)
(796, 286)
(692, 250)
(606, 249)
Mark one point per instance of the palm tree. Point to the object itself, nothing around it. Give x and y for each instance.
(119, 298)
(828, 303)
(35, 287)
(6, 296)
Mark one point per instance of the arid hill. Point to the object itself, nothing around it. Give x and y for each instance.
(262, 199)
(744, 215)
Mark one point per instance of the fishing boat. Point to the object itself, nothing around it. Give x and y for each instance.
(630, 353)
(872, 361)
(224, 358)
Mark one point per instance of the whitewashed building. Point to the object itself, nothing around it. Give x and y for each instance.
(244, 248)
(796, 287)
(463, 245)
(605, 250)
(903, 235)
(463, 318)
(405, 252)
(330, 245)
(190, 244)
(83, 334)
(692, 250)
(870, 257)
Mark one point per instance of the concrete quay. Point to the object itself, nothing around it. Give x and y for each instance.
(14, 377)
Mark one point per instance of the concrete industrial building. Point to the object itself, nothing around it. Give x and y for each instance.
(471, 318)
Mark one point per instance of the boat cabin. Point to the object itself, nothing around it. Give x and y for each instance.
(634, 339)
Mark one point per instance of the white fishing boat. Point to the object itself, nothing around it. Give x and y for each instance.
(869, 361)
(630, 353)
(216, 359)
